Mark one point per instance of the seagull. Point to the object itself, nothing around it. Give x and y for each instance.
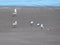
(42, 26)
(15, 11)
(31, 22)
(38, 24)
(14, 24)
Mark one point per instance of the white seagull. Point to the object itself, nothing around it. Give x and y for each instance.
(31, 22)
(38, 24)
(42, 26)
(15, 11)
(14, 24)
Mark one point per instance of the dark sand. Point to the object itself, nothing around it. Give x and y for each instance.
(24, 33)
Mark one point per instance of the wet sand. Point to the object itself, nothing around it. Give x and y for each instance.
(24, 33)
